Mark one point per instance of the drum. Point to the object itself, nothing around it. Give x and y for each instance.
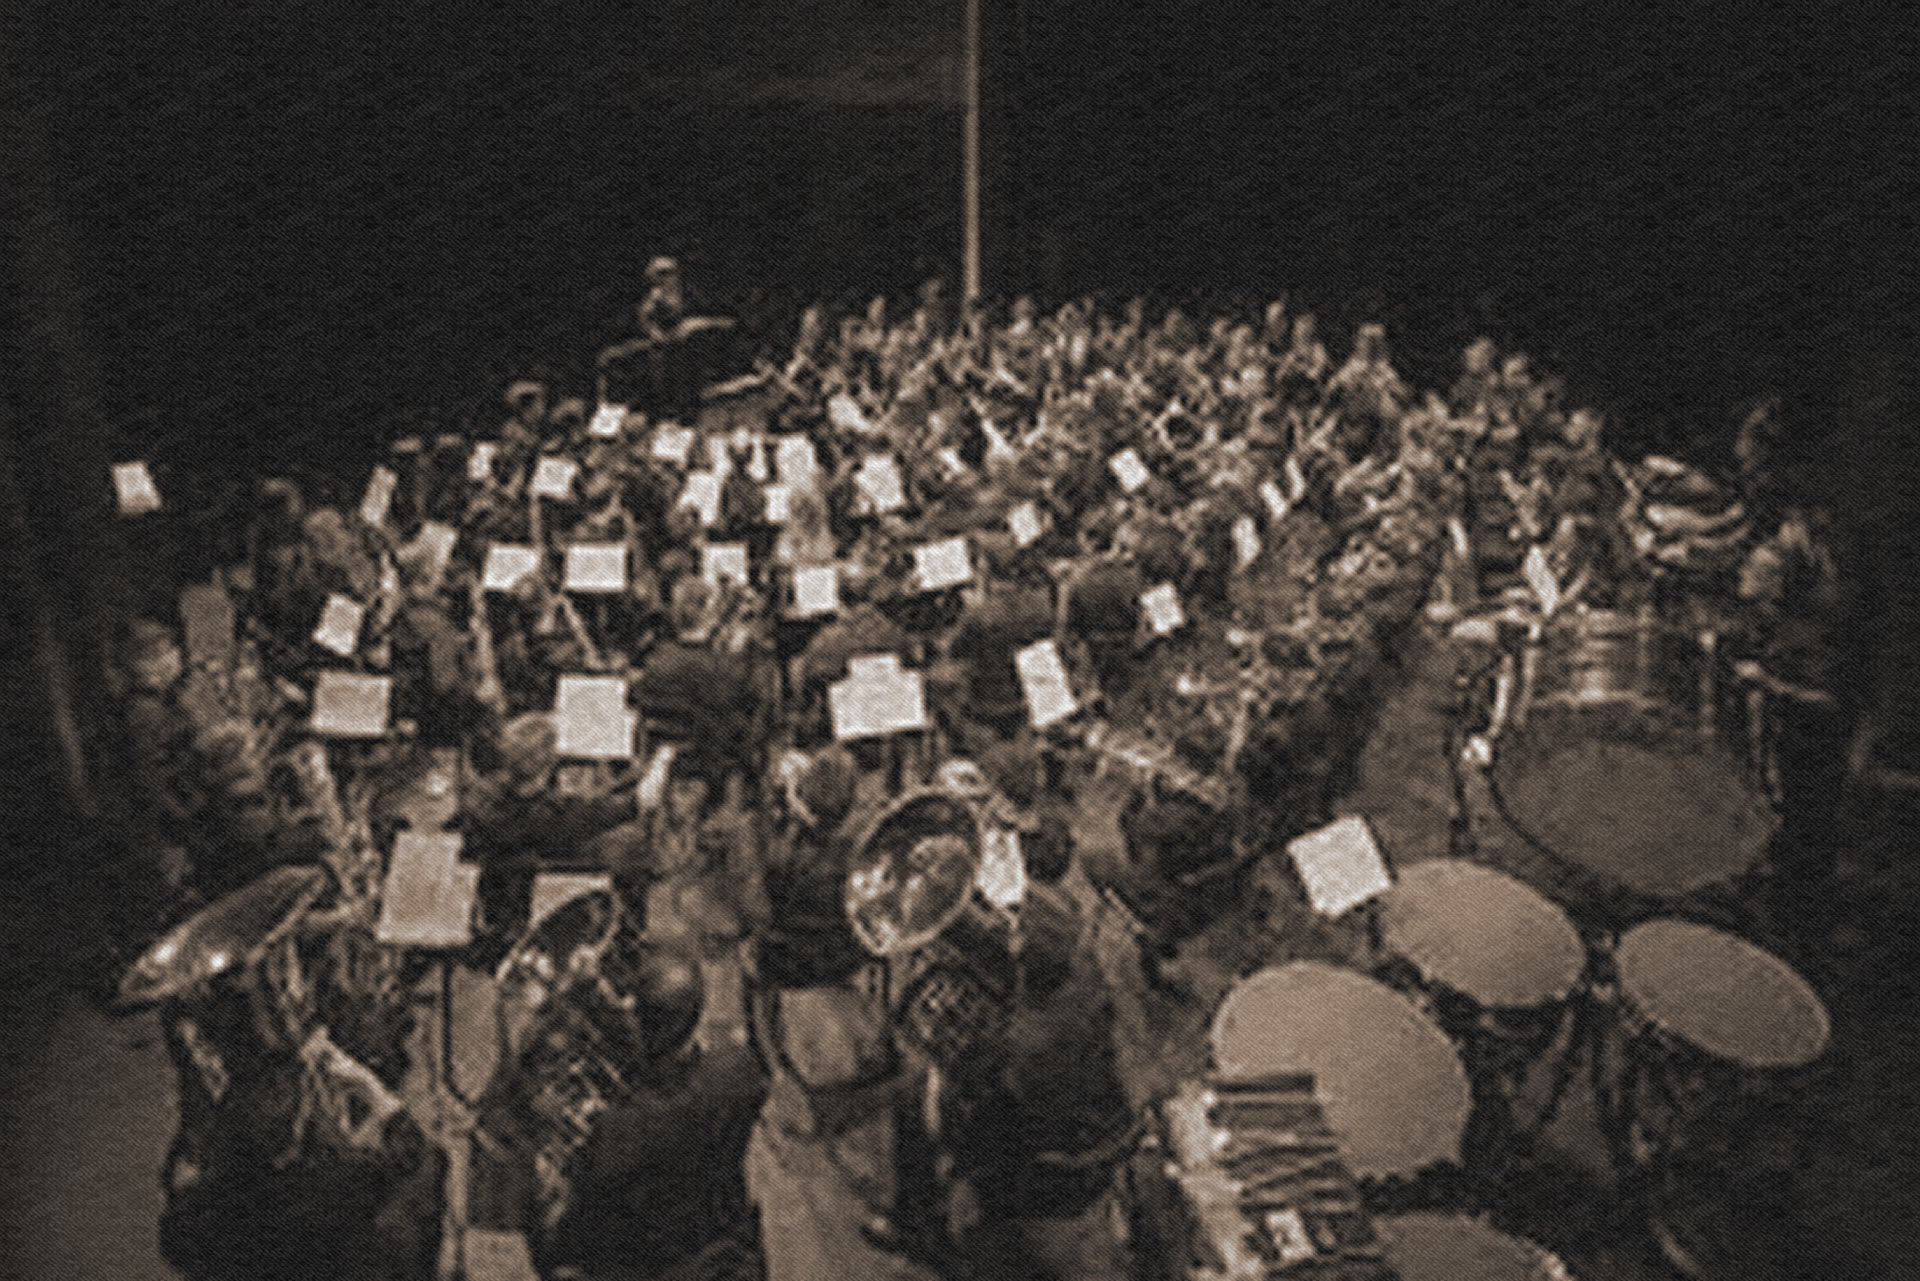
(1614, 763)
(1710, 1022)
(1491, 960)
(1387, 1076)
(1453, 1247)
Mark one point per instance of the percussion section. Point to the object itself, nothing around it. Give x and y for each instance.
(1260, 1187)
(1390, 1080)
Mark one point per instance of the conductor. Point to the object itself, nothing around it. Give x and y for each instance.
(657, 364)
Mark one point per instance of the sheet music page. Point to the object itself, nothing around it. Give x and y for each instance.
(1340, 865)
(507, 565)
(133, 486)
(351, 704)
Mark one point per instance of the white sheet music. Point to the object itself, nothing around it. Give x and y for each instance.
(703, 495)
(1164, 614)
(1340, 865)
(873, 702)
(339, 628)
(351, 704)
(1129, 470)
(794, 460)
(379, 496)
(427, 897)
(1043, 679)
(507, 565)
(673, 445)
(724, 563)
(1275, 500)
(1002, 878)
(553, 477)
(133, 485)
(596, 567)
(607, 421)
(1024, 521)
(816, 591)
(779, 504)
(1246, 541)
(590, 713)
(940, 565)
(880, 483)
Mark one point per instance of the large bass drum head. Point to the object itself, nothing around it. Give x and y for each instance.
(1482, 933)
(1661, 822)
(1722, 994)
(1453, 1247)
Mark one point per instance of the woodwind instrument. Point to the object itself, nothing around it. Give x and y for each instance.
(490, 693)
(350, 854)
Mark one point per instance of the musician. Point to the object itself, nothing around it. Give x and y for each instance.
(698, 694)
(1038, 1123)
(1171, 842)
(823, 1163)
(995, 625)
(435, 683)
(1368, 395)
(1473, 390)
(1303, 368)
(517, 823)
(654, 332)
(675, 1126)
(526, 421)
(1798, 659)
(1103, 611)
(160, 734)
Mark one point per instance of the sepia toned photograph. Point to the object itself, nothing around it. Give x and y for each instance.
(959, 640)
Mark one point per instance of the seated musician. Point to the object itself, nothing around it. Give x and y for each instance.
(525, 424)
(1038, 1122)
(518, 824)
(823, 1165)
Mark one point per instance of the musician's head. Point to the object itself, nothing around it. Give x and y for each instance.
(154, 658)
(663, 278)
(527, 399)
(529, 749)
(1479, 357)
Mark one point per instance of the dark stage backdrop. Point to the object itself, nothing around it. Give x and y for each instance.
(294, 221)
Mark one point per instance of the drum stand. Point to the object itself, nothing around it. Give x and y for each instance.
(1646, 1110)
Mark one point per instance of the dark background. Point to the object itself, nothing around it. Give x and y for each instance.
(245, 237)
(297, 217)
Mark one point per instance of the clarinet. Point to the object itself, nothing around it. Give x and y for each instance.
(490, 692)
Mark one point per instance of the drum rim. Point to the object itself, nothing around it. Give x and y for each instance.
(1463, 872)
(1357, 983)
(1530, 758)
(1681, 928)
(1539, 1260)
